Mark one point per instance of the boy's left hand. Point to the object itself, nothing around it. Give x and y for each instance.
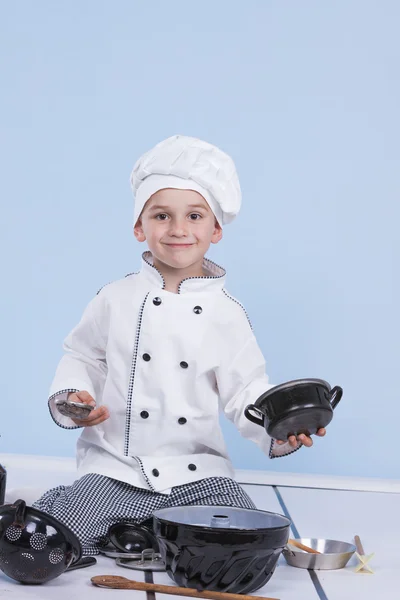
(304, 439)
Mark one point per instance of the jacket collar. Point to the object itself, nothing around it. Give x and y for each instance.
(214, 278)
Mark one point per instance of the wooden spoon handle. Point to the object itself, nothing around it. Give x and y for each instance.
(303, 547)
(117, 582)
(359, 545)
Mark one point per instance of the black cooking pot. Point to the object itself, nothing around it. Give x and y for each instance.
(34, 546)
(220, 548)
(132, 537)
(295, 407)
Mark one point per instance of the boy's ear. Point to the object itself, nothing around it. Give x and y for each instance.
(138, 231)
(217, 235)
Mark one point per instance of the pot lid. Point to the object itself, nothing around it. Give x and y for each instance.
(222, 517)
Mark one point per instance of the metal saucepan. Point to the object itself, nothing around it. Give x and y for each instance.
(334, 554)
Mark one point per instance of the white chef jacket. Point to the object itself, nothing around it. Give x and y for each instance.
(165, 364)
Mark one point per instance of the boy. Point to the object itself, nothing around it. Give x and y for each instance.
(158, 353)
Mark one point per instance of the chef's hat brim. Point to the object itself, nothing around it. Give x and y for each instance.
(154, 183)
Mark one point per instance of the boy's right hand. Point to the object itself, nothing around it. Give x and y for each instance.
(97, 415)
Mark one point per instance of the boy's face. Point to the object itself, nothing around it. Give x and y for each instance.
(179, 227)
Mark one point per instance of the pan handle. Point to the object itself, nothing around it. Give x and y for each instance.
(251, 417)
(336, 395)
(19, 516)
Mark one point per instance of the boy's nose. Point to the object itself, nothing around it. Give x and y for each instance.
(178, 228)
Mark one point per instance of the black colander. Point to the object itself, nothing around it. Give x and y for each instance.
(34, 546)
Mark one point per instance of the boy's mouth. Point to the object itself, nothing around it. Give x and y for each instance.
(179, 245)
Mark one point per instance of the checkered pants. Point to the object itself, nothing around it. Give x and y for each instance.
(93, 503)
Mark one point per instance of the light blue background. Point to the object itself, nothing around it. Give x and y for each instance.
(305, 96)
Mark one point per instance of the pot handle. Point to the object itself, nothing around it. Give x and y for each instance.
(152, 536)
(252, 418)
(19, 517)
(336, 395)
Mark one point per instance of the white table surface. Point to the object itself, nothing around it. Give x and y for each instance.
(340, 515)
(332, 513)
(75, 585)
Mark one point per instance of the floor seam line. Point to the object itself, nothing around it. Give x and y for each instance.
(148, 577)
(313, 576)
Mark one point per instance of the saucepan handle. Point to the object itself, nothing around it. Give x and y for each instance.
(19, 517)
(253, 418)
(336, 395)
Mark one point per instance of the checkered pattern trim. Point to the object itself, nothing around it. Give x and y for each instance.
(212, 267)
(241, 306)
(212, 491)
(277, 450)
(93, 503)
(143, 472)
(105, 285)
(132, 382)
(147, 257)
(102, 287)
(216, 271)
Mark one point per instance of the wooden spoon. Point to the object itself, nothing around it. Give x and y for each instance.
(303, 547)
(122, 583)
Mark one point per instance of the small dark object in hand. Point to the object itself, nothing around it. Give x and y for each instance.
(74, 410)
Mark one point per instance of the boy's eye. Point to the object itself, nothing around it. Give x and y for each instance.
(164, 216)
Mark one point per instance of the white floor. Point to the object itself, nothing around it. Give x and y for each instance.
(315, 512)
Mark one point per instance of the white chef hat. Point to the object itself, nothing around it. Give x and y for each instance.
(188, 163)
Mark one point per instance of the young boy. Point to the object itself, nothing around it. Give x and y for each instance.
(157, 354)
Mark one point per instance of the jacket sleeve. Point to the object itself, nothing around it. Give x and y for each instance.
(83, 366)
(241, 379)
